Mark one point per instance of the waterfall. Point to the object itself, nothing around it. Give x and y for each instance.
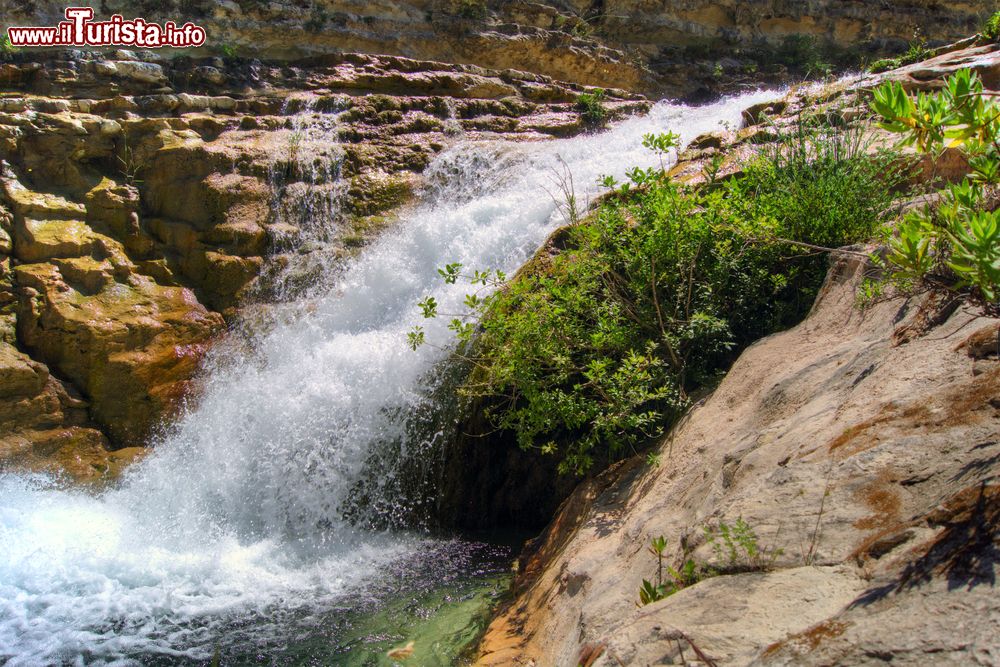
(237, 512)
(307, 195)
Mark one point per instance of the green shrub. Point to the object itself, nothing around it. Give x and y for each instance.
(7, 50)
(884, 65)
(956, 244)
(589, 353)
(592, 109)
(991, 29)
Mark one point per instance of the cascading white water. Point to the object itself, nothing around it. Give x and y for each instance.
(238, 508)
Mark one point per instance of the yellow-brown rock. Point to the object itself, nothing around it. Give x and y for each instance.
(130, 344)
(137, 197)
(46, 429)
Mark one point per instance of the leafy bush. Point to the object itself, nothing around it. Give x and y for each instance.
(956, 244)
(991, 29)
(591, 351)
(592, 109)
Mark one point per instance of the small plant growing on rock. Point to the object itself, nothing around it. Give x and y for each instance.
(917, 50)
(129, 165)
(661, 144)
(7, 50)
(582, 29)
(686, 575)
(592, 109)
(738, 547)
(713, 167)
(883, 65)
(294, 145)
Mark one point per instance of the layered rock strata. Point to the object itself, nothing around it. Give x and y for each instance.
(676, 48)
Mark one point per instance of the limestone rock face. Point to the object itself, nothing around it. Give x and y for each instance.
(130, 344)
(656, 23)
(46, 426)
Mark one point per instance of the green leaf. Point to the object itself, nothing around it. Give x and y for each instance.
(451, 273)
(415, 338)
(429, 307)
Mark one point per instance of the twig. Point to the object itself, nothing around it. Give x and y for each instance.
(698, 652)
(810, 246)
(811, 554)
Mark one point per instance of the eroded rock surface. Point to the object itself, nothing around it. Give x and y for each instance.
(869, 457)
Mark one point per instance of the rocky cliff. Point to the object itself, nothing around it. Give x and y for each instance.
(143, 201)
(861, 449)
(679, 48)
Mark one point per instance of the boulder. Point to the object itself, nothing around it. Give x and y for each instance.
(44, 426)
(129, 344)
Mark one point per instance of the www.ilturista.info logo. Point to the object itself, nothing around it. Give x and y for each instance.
(79, 30)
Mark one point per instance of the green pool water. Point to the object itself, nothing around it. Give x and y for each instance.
(440, 599)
